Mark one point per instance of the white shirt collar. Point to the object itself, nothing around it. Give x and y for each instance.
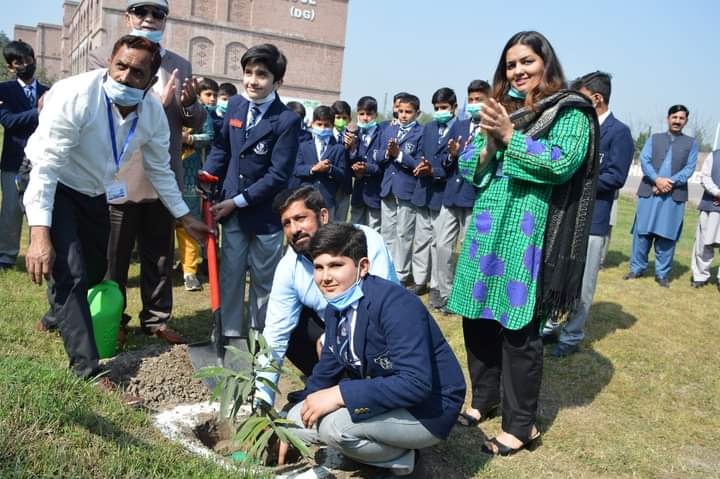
(603, 117)
(32, 85)
(263, 103)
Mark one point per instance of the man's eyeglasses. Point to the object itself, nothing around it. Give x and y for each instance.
(143, 11)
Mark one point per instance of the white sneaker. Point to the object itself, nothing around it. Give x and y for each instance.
(192, 283)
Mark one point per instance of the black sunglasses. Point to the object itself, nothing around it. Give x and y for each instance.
(144, 11)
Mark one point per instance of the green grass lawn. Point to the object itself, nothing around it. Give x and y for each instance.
(639, 400)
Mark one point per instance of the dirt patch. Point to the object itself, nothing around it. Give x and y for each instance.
(160, 374)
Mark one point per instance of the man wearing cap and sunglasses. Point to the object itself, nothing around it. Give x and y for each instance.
(141, 216)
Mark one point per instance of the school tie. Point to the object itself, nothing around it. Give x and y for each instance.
(323, 148)
(402, 133)
(343, 336)
(30, 94)
(252, 121)
(441, 133)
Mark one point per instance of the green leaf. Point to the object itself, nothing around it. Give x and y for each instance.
(261, 444)
(228, 397)
(213, 371)
(246, 426)
(268, 383)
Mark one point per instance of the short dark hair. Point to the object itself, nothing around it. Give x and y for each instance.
(444, 95)
(341, 107)
(677, 108)
(17, 50)
(367, 103)
(339, 239)
(597, 82)
(208, 84)
(411, 99)
(140, 43)
(297, 107)
(323, 113)
(269, 56)
(479, 86)
(227, 89)
(399, 95)
(310, 195)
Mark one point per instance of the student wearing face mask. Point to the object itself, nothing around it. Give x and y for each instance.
(459, 195)
(19, 108)
(321, 160)
(387, 383)
(141, 217)
(348, 139)
(90, 126)
(225, 92)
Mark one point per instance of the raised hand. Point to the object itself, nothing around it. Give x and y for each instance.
(393, 149)
(494, 119)
(168, 93)
(190, 89)
(454, 147)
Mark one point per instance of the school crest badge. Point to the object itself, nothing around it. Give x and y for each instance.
(409, 148)
(384, 362)
(261, 148)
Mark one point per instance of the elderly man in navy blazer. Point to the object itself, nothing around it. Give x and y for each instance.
(616, 154)
(387, 383)
(254, 156)
(19, 101)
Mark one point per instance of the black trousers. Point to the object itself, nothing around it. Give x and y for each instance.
(152, 225)
(301, 347)
(79, 234)
(497, 355)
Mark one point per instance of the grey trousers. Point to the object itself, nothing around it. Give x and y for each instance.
(702, 257)
(242, 252)
(424, 254)
(397, 227)
(387, 440)
(573, 331)
(10, 219)
(342, 206)
(451, 225)
(364, 215)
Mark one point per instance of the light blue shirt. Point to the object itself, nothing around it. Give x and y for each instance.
(294, 288)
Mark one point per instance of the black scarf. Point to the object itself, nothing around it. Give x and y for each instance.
(571, 207)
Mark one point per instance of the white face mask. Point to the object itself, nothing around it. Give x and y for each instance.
(152, 35)
(121, 94)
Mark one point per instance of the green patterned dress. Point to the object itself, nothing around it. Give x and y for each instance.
(500, 259)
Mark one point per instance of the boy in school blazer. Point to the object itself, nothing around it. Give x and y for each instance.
(386, 374)
(429, 189)
(254, 156)
(399, 155)
(19, 117)
(367, 171)
(321, 160)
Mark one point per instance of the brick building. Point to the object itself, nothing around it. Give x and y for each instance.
(213, 35)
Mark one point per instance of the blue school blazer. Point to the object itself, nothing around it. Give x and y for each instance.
(458, 192)
(260, 166)
(366, 190)
(327, 183)
(405, 361)
(429, 189)
(19, 119)
(398, 178)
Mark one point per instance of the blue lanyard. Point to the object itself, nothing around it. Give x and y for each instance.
(113, 140)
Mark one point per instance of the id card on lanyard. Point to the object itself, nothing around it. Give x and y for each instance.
(117, 190)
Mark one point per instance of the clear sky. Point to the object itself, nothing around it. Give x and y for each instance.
(659, 52)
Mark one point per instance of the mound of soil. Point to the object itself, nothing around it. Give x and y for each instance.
(160, 374)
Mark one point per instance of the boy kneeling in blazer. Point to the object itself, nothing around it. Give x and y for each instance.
(387, 382)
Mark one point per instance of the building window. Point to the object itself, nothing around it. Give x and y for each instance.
(233, 54)
(203, 8)
(240, 12)
(201, 54)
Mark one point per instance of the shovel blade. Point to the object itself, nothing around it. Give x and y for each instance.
(205, 354)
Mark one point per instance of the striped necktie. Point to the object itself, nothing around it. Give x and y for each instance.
(343, 336)
(252, 121)
(402, 133)
(30, 94)
(323, 148)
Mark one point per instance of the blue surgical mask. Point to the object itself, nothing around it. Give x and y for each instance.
(408, 125)
(322, 132)
(122, 95)
(222, 106)
(210, 107)
(442, 117)
(343, 300)
(473, 108)
(152, 35)
(517, 94)
(368, 125)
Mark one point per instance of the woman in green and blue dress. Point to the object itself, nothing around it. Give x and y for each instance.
(534, 164)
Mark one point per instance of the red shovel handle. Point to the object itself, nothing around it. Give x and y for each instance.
(212, 257)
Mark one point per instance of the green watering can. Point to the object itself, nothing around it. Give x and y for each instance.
(106, 307)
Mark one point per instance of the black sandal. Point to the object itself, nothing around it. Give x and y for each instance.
(468, 420)
(503, 450)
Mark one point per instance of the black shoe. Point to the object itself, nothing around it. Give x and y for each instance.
(632, 275)
(698, 284)
(434, 298)
(550, 338)
(562, 350)
(418, 289)
(662, 282)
